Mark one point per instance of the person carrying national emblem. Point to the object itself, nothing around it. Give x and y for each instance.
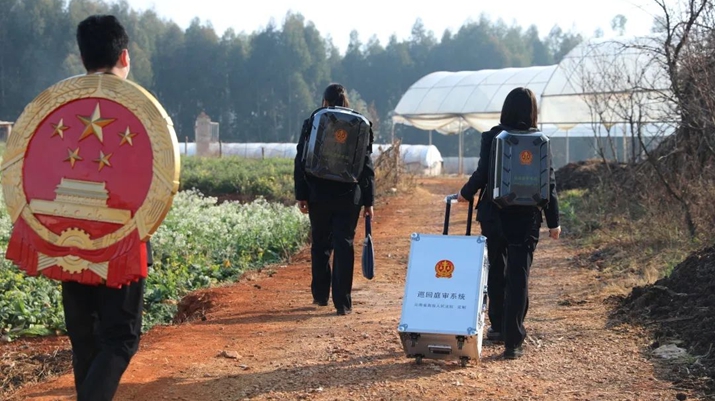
(89, 173)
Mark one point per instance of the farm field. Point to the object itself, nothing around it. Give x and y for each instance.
(201, 243)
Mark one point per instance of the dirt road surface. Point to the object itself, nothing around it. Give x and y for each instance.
(262, 339)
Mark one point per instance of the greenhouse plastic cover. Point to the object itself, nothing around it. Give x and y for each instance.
(425, 155)
(598, 71)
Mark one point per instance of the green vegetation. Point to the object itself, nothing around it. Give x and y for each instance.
(200, 244)
(234, 176)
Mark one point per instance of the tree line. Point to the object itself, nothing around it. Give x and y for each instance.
(259, 86)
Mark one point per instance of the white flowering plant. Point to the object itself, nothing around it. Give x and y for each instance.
(200, 243)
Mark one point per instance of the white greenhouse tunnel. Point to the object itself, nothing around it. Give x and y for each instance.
(420, 159)
(591, 89)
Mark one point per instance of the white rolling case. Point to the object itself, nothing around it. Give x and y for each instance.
(445, 297)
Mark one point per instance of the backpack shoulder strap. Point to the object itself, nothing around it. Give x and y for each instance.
(305, 130)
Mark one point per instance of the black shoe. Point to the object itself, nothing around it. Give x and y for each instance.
(343, 312)
(513, 353)
(320, 303)
(493, 335)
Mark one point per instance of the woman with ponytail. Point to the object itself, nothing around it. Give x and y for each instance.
(512, 233)
(334, 210)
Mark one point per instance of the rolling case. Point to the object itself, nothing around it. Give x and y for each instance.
(445, 296)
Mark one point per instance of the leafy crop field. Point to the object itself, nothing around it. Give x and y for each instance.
(239, 179)
(201, 243)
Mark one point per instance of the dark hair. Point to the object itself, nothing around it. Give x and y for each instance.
(519, 110)
(101, 39)
(336, 95)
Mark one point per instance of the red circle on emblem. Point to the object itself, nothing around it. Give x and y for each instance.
(93, 152)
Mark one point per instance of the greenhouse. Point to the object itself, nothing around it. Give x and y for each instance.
(420, 159)
(596, 91)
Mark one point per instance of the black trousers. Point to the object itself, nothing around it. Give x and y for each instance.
(511, 241)
(104, 327)
(333, 230)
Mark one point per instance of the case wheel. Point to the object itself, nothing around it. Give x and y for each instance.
(413, 338)
(418, 359)
(460, 342)
(463, 361)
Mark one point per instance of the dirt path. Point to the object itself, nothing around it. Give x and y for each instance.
(288, 349)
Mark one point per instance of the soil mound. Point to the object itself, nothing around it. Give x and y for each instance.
(681, 308)
(584, 174)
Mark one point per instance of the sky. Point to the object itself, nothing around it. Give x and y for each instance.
(383, 18)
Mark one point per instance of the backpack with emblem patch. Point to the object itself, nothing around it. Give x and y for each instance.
(336, 143)
(520, 170)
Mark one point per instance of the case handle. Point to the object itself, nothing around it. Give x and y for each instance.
(452, 198)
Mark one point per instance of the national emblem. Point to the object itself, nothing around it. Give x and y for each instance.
(341, 136)
(86, 218)
(526, 157)
(444, 269)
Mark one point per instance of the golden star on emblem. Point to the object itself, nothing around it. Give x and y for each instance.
(60, 129)
(127, 137)
(103, 160)
(73, 156)
(93, 124)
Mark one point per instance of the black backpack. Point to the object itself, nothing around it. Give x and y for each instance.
(520, 169)
(337, 140)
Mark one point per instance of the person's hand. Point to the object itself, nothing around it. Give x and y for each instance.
(555, 232)
(369, 211)
(303, 206)
(461, 198)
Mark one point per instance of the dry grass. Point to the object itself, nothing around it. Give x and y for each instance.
(391, 174)
(631, 230)
(18, 368)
